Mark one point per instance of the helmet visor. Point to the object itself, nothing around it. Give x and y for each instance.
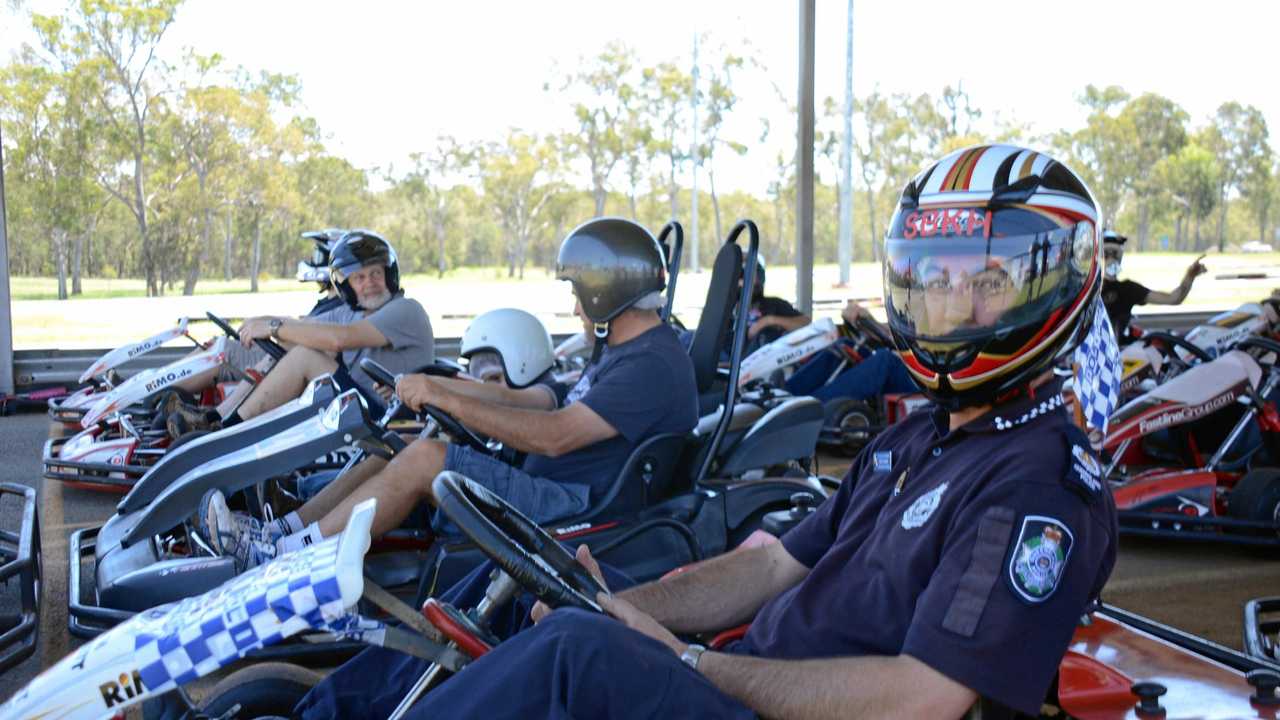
(952, 288)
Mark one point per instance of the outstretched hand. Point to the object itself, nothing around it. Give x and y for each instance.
(1196, 268)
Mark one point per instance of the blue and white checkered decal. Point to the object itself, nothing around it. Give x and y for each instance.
(296, 592)
(1098, 370)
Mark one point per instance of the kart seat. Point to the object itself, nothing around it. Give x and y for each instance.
(646, 478)
(713, 326)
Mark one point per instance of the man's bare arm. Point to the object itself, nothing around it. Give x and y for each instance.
(855, 687)
(535, 397)
(330, 337)
(550, 433)
(720, 593)
(1156, 297)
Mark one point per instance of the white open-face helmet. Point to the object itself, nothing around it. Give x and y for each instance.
(517, 337)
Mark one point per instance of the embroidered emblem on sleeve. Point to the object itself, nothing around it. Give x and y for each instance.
(1039, 557)
(921, 510)
(1086, 467)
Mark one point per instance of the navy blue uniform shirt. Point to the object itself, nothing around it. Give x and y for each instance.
(642, 387)
(974, 551)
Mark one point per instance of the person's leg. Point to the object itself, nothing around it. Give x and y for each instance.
(882, 372)
(285, 382)
(333, 493)
(540, 499)
(399, 487)
(811, 375)
(579, 664)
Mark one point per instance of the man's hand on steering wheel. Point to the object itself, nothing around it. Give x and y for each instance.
(256, 328)
(625, 612)
(416, 390)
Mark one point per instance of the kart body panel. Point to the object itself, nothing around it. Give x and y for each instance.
(1225, 330)
(149, 382)
(125, 353)
(790, 349)
(163, 648)
(1196, 393)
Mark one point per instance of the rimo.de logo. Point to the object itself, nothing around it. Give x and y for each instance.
(166, 380)
(127, 687)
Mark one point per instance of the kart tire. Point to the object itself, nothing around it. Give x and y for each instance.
(849, 417)
(264, 690)
(1256, 496)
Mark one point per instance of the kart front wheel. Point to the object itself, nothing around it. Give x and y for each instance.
(264, 690)
(1257, 496)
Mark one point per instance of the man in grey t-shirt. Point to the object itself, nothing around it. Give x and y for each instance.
(376, 321)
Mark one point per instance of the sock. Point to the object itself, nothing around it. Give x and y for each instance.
(292, 523)
(309, 535)
(232, 419)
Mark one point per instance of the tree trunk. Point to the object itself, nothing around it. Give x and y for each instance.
(255, 264)
(60, 261)
(871, 221)
(600, 195)
(1144, 220)
(439, 229)
(1197, 246)
(674, 190)
(77, 260)
(1222, 222)
(226, 247)
(202, 255)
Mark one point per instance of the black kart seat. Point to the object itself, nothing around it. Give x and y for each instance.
(717, 313)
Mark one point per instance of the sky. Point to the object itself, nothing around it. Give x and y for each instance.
(386, 78)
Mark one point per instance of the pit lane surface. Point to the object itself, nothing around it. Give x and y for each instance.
(1199, 588)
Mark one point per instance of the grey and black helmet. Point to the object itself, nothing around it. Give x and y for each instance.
(358, 249)
(612, 263)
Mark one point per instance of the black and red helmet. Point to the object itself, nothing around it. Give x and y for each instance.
(991, 263)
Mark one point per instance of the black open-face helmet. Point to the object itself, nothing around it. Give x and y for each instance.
(612, 263)
(358, 249)
(991, 267)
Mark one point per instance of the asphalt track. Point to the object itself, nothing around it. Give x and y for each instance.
(1200, 588)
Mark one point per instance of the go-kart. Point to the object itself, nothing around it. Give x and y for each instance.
(659, 511)
(118, 444)
(1195, 458)
(1226, 330)
(103, 374)
(1118, 664)
(20, 576)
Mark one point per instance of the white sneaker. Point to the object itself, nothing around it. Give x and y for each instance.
(243, 538)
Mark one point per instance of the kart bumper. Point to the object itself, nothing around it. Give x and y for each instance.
(101, 476)
(67, 415)
(20, 558)
(87, 619)
(1209, 528)
(1261, 628)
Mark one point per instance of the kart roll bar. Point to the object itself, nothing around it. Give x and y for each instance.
(738, 342)
(673, 255)
(20, 557)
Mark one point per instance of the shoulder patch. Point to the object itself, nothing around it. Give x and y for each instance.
(1039, 557)
(1084, 474)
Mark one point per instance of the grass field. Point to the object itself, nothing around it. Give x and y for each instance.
(115, 311)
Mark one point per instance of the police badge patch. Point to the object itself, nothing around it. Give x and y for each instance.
(1039, 557)
(922, 508)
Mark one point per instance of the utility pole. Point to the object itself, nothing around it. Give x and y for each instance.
(845, 243)
(804, 162)
(6, 309)
(697, 159)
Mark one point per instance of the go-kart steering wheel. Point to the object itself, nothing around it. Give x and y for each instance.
(447, 422)
(270, 347)
(874, 333)
(516, 544)
(1173, 342)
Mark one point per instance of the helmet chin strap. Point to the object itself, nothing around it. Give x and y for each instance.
(601, 332)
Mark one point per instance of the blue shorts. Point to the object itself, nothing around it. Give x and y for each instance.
(540, 499)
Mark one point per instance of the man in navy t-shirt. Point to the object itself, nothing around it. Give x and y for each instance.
(641, 384)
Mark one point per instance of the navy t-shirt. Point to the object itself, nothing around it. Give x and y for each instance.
(642, 388)
(974, 551)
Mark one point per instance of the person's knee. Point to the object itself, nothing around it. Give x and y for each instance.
(425, 459)
(311, 363)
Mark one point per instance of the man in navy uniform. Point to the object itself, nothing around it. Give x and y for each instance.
(953, 563)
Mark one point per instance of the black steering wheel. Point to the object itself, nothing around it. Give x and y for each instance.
(876, 334)
(522, 549)
(447, 422)
(1172, 343)
(270, 347)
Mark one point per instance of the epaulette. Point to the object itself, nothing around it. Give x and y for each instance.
(1084, 473)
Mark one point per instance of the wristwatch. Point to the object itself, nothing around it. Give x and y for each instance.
(692, 654)
(275, 325)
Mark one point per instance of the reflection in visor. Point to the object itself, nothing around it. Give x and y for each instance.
(956, 288)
